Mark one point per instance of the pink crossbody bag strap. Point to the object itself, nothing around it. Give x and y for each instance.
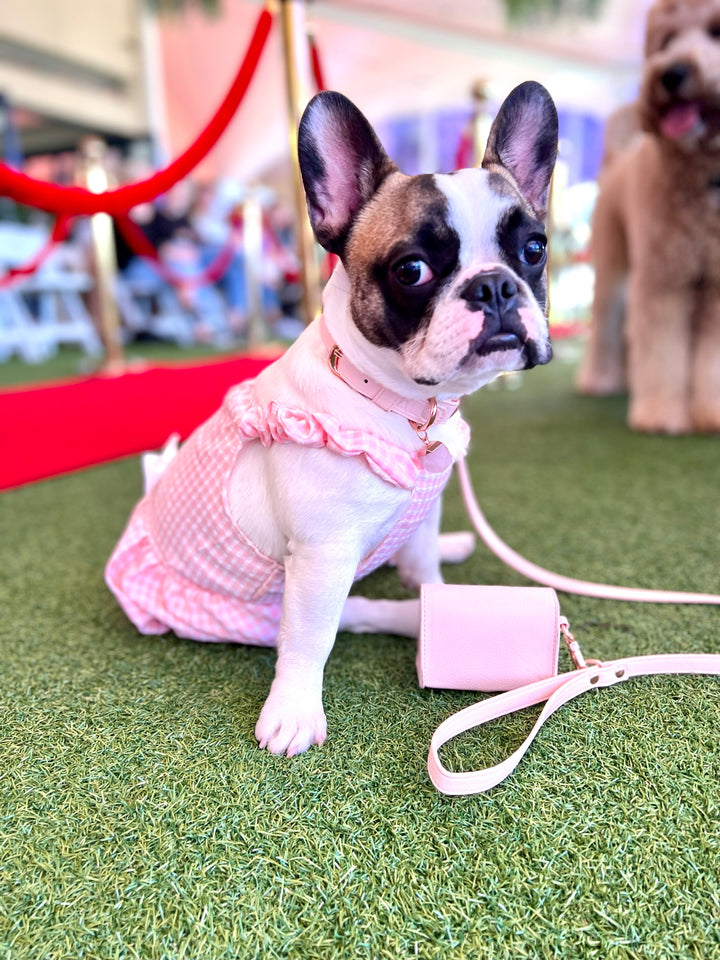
(555, 691)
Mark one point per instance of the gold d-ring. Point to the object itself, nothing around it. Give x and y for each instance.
(422, 427)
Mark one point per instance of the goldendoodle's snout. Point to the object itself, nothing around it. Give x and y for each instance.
(677, 76)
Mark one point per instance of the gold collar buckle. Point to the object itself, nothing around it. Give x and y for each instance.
(334, 358)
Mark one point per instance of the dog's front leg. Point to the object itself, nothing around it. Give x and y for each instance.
(659, 340)
(317, 580)
(602, 371)
(418, 560)
(705, 371)
(326, 513)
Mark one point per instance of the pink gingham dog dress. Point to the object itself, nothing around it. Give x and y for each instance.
(181, 563)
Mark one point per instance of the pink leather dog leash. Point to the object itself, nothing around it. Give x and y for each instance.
(547, 578)
(555, 691)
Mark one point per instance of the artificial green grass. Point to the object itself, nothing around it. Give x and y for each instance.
(139, 820)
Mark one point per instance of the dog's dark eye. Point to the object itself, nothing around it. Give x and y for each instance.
(714, 30)
(533, 252)
(413, 272)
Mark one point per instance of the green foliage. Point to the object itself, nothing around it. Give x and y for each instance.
(518, 11)
(534, 11)
(178, 6)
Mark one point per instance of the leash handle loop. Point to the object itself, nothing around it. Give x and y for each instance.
(555, 691)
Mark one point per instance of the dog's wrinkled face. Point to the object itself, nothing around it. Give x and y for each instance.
(680, 92)
(449, 270)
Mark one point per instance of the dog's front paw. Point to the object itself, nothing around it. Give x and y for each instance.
(600, 382)
(706, 416)
(290, 724)
(414, 575)
(649, 417)
(456, 547)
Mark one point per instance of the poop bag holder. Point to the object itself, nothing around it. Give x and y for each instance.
(507, 638)
(487, 638)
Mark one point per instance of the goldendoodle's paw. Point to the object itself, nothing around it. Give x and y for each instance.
(291, 724)
(659, 418)
(600, 383)
(705, 418)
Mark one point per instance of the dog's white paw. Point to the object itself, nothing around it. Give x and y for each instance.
(414, 574)
(290, 724)
(456, 547)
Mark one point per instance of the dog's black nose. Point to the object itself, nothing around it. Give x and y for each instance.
(492, 292)
(675, 76)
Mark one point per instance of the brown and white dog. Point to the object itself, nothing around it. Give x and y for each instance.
(656, 236)
(441, 286)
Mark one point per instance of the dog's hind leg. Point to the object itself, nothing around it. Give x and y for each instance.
(602, 371)
(399, 617)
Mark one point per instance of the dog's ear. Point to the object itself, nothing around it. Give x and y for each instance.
(342, 164)
(524, 140)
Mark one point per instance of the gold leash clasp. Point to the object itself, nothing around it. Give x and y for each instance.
(572, 645)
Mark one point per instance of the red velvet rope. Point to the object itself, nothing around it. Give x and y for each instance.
(139, 244)
(317, 69)
(76, 200)
(57, 235)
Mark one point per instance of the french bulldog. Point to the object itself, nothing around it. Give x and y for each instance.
(333, 460)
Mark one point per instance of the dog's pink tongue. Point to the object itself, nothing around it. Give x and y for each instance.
(680, 120)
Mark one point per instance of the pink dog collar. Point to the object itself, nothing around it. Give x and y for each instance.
(422, 414)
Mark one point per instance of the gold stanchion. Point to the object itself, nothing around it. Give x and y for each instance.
(481, 122)
(252, 248)
(297, 72)
(103, 255)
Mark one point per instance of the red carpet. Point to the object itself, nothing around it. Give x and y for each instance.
(56, 428)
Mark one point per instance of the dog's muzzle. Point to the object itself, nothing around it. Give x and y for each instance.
(497, 294)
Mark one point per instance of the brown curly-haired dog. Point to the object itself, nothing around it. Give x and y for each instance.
(656, 235)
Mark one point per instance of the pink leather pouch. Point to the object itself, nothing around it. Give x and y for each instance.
(487, 638)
